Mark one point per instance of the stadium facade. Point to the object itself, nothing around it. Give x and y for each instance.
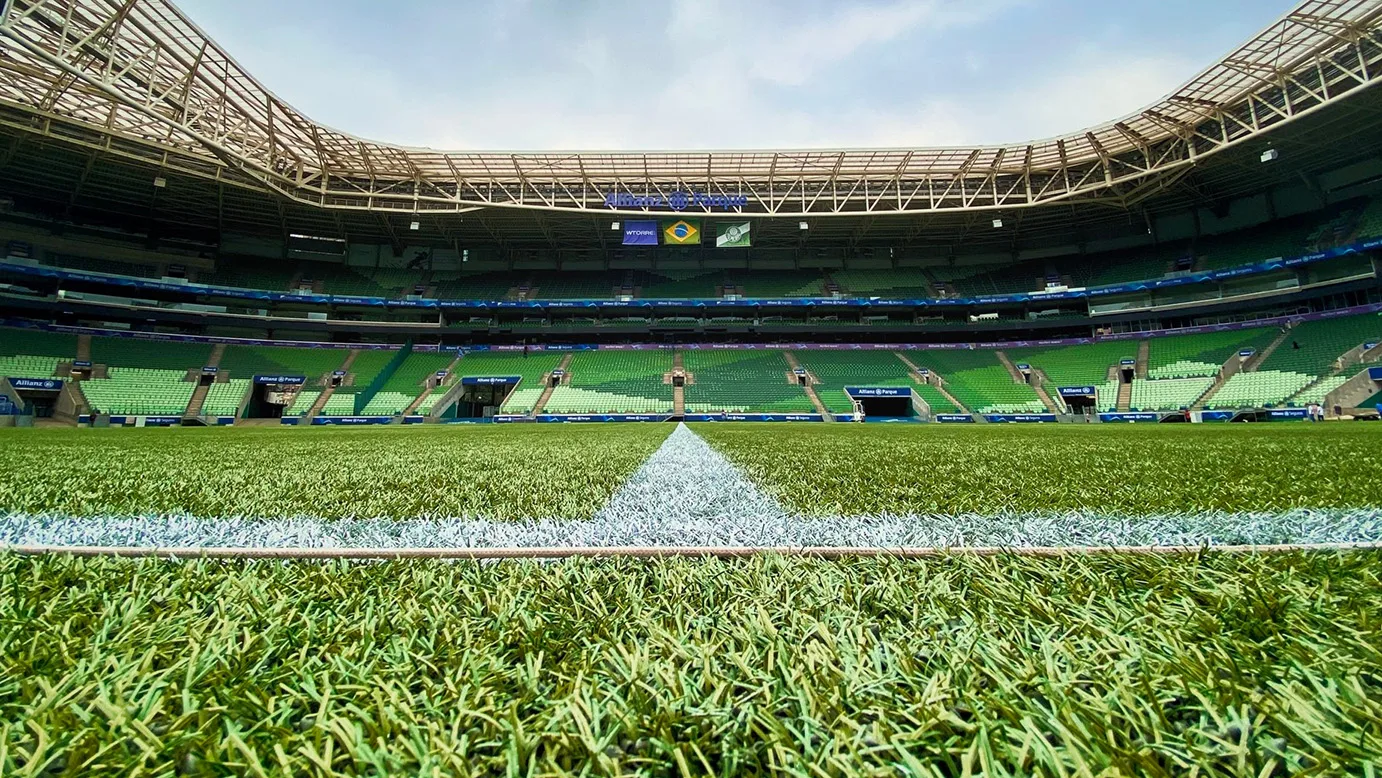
(152, 186)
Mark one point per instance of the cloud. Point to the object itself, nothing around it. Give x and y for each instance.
(610, 75)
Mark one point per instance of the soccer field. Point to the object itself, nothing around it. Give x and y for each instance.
(1244, 664)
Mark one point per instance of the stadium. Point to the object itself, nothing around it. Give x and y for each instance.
(330, 456)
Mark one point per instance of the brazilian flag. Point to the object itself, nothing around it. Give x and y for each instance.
(682, 232)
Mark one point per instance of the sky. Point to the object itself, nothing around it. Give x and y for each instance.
(723, 74)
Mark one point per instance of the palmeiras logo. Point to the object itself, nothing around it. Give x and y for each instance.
(676, 201)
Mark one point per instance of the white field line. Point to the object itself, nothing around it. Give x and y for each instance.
(688, 500)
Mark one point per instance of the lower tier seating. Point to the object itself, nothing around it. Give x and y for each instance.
(1260, 389)
(140, 392)
(1171, 394)
(224, 399)
(741, 382)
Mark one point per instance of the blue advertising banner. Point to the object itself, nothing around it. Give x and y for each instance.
(81, 363)
(38, 384)
(1128, 362)
(1021, 418)
(1078, 391)
(1375, 373)
(280, 380)
(414, 419)
(351, 420)
(878, 391)
(1281, 414)
(954, 418)
(1128, 417)
(640, 233)
(773, 417)
(288, 421)
(1218, 415)
(563, 418)
(209, 370)
(487, 380)
(1247, 352)
(508, 418)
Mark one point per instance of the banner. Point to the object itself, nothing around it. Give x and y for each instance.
(641, 233)
(878, 391)
(1078, 391)
(732, 236)
(682, 232)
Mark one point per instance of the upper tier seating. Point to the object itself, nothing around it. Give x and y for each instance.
(615, 382)
(576, 286)
(902, 282)
(674, 286)
(451, 285)
(835, 370)
(741, 382)
(979, 381)
(777, 283)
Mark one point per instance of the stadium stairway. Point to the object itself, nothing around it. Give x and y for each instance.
(1232, 367)
(1038, 384)
(809, 389)
(678, 392)
(1144, 355)
(83, 348)
(194, 405)
(428, 392)
(938, 385)
(1124, 396)
(1257, 359)
(547, 390)
(319, 404)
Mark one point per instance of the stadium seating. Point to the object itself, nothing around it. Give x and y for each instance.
(1313, 348)
(979, 381)
(340, 403)
(1106, 396)
(673, 286)
(522, 400)
(1170, 394)
(243, 274)
(615, 382)
(476, 286)
(1262, 388)
(740, 382)
(1075, 365)
(900, 282)
(304, 402)
(777, 283)
(835, 370)
(576, 286)
(156, 354)
(250, 361)
(406, 383)
(140, 391)
(108, 266)
(937, 401)
(223, 399)
(1187, 356)
(33, 353)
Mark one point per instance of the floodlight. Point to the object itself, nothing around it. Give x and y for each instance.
(803, 225)
(1270, 155)
(160, 182)
(997, 223)
(415, 226)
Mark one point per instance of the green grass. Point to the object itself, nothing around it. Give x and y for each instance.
(1208, 664)
(820, 469)
(493, 471)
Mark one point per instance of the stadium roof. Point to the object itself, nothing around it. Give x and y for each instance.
(139, 90)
